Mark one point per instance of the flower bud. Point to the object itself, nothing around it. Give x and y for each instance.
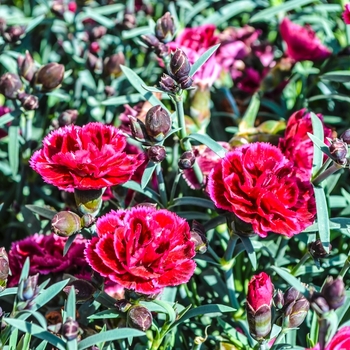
(66, 223)
(295, 310)
(259, 301)
(187, 160)
(185, 82)
(123, 305)
(84, 290)
(94, 47)
(129, 20)
(57, 8)
(168, 84)
(150, 40)
(13, 34)
(278, 299)
(345, 136)
(26, 66)
(157, 123)
(156, 153)
(179, 65)
(49, 77)
(87, 220)
(10, 84)
(28, 102)
(139, 317)
(93, 63)
(97, 33)
(319, 303)
(68, 117)
(109, 91)
(334, 292)
(198, 237)
(317, 250)
(338, 150)
(161, 50)
(88, 201)
(70, 329)
(30, 288)
(4, 265)
(138, 129)
(111, 65)
(165, 28)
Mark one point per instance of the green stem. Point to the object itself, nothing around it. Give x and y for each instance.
(345, 268)
(331, 170)
(302, 261)
(174, 187)
(325, 165)
(161, 186)
(231, 245)
(263, 345)
(280, 336)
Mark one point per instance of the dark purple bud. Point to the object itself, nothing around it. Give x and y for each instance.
(26, 66)
(158, 123)
(338, 150)
(109, 91)
(278, 299)
(97, 33)
(167, 83)
(334, 292)
(84, 290)
(111, 65)
(187, 160)
(129, 21)
(49, 77)
(319, 303)
(4, 265)
(291, 295)
(30, 288)
(10, 84)
(66, 223)
(165, 28)
(123, 305)
(345, 136)
(156, 153)
(70, 329)
(139, 317)
(296, 307)
(150, 40)
(68, 117)
(93, 63)
(28, 102)
(198, 237)
(161, 50)
(317, 250)
(13, 34)
(138, 129)
(185, 82)
(180, 67)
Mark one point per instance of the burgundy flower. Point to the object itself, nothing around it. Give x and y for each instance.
(302, 42)
(142, 249)
(296, 144)
(46, 256)
(261, 187)
(88, 157)
(259, 301)
(340, 341)
(346, 14)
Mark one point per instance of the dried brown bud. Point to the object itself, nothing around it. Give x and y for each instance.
(70, 329)
(185, 82)
(334, 292)
(49, 77)
(187, 160)
(129, 21)
(66, 223)
(26, 66)
(180, 67)
(319, 303)
(68, 117)
(139, 317)
(111, 65)
(28, 102)
(4, 265)
(165, 28)
(158, 123)
(10, 84)
(156, 153)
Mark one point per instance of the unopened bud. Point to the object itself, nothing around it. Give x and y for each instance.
(4, 265)
(319, 303)
(187, 160)
(123, 305)
(167, 83)
(13, 34)
(10, 84)
(57, 8)
(3, 25)
(93, 63)
(139, 317)
(49, 77)
(296, 307)
(150, 40)
(291, 295)
(111, 65)
(109, 91)
(87, 220)
(158, 123)
(28, 102)
(156, 153)
(70, 329)
(198, 237)
(65, 223)
(94, 47)
(345, 136)
(334, 292)
(185, 82)
(180, 67)
(165, 28)
(338, 150)
(97, 33)
(26, 66)
(30, 288)
(84, 290)
(68, 117)
(317, 250)
(88, 201)
(129, 21)
(138, 129)
(278, 299)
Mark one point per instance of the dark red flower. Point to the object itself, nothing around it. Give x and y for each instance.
(88, 157)
(296, 144)
(346, 14)
(261, 187)
(302, 42)
(339, 342)
(142, 249)
(46, 256)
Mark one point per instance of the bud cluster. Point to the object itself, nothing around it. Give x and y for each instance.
(13, 34)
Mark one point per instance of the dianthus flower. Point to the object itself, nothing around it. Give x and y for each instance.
(85, 158)
(46, 256)
(261, 187)
(142, 249)
(346, 14)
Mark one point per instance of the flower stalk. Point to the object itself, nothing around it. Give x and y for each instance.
(302, 261)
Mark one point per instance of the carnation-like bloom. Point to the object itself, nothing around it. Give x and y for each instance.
(341, 341)
(302, 42)
(142, 249)
(346, 14)
(296, 144)
(85, 158)
(262, 187)
(46, 256)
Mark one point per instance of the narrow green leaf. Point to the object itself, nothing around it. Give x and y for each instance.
(13, 339)
(71, 303)
(110, 313)
(138, 83)
(68, 243)
(36, 331)
(25, 270)
(266, 15)
(199, 202)
(322, 216)
(8, 117)
(34, 22)
(317, 130)
(209, 142)
(90, 13)
(42, 345)
(341, 76)
(120, 100)
(313, 335)
(250, 250)
(13, 149)
(44, 212)
(132, 185)
(290, 279)
(109, 9)
(9, 291)
(135, 32)
(23, 315)
(319, 144)
(344, 308)
(168, 308)
(204, 58)
(249, 117)
(111, 335)
(147, 174)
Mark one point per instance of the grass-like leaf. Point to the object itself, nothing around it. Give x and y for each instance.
(110, 313)
(290, 279)
(13, 149)
(68, 243)
(204, 58)
(46, 213)
(132, 185)
(71, 303)
(199, 202)
(340, 76)
(34, 23)
(121, 100)
(249, 117)
(250, 250)
(317, 130)
(147, 174)
(209, 142)
(167, 306)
